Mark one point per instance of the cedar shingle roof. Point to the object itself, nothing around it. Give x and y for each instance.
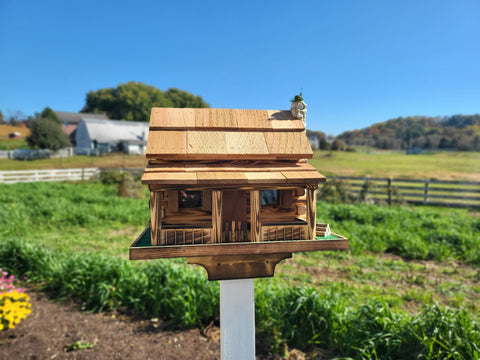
(226, 134)
(232, 173)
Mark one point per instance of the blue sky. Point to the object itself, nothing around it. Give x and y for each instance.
(358, 62)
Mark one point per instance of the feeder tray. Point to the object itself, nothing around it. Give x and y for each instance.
(235, 260)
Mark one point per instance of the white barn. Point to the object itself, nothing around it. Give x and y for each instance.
(94, 136)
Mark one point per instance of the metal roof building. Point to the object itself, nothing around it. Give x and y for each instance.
(106, 135)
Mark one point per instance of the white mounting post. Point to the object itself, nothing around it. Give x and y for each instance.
(237, 319)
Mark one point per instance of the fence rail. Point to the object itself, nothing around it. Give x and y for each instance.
(431, 192)
(11, 177)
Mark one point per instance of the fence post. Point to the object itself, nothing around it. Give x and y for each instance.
(365, 189)
(425, 192)
(389, 191)
(1, 176)
(83, 174)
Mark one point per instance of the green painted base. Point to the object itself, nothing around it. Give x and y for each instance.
(145, 239)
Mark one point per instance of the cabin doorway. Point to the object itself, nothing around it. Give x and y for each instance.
(234, 216)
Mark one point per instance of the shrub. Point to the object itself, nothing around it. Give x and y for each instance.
(336, 191)
(180, 295)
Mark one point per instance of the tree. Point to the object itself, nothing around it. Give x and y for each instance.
(48, 113)
(134, 101)
(183, 99)
(336, 145)
(47, 134)
(1, 117)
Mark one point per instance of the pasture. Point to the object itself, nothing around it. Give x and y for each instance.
(441, 165)
(409, 285)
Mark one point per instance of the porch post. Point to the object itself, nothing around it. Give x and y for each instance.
(156, 218)
(256, 225)
(311, 212)
(217, 204)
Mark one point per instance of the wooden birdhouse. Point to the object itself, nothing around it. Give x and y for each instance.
(231, 190)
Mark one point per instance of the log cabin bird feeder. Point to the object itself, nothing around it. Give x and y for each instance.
(231, 190)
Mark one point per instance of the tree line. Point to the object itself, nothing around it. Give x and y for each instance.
(134, 100)
(457, 132)
(131, 101)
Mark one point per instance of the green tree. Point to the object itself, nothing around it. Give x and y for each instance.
(1, 117)
(134, 101)
(47, 134)
(48, 113)
(183, 99)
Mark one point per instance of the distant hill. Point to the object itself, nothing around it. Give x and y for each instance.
(459, 132)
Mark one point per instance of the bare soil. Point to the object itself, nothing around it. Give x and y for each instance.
(52, 330)
(59, 330)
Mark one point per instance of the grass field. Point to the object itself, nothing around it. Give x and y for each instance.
(441, 165)
(410, 271)
(445, 166)
(105, 161)
(12, 144)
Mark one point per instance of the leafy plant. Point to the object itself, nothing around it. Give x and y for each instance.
(79, 345)
(298, 97)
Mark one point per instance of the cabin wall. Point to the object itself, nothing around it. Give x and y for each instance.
(183, 226)
(291, 207)
(172, 215)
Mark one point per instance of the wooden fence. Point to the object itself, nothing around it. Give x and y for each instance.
(11, 177)
(428, 192)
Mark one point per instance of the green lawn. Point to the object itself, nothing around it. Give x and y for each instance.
(441, 165)
(411, 277)
(105, 161)
(390, 247)
(12, 144)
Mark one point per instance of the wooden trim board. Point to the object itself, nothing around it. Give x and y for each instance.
(270, 247)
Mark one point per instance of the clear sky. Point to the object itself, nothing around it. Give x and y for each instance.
(358, 62)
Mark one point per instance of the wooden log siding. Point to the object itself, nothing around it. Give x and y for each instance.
(284, 232)
(193, 236)
(187, 226)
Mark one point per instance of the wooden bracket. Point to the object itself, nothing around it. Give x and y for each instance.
(239, 266)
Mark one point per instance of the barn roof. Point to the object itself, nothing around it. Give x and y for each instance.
(76, 118)
(226, 134)
(112, 131)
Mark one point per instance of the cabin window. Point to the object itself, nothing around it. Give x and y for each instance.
(269, 197)
(189, 199)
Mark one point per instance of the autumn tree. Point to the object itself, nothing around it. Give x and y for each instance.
(134, 100)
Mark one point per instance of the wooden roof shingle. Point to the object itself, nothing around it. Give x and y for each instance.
(232, 173)
(226, 134)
